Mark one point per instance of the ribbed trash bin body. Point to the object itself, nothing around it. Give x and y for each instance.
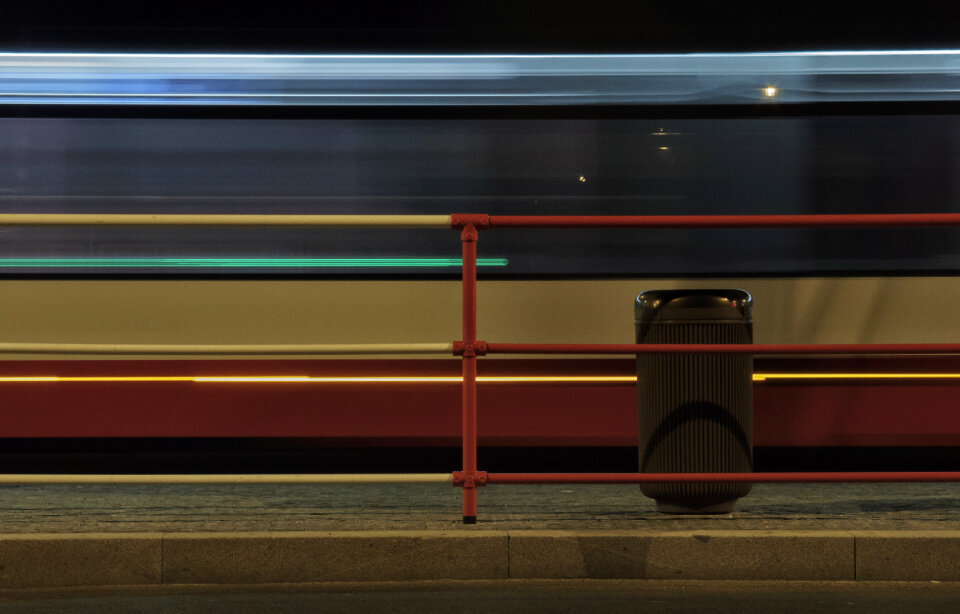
(695, 410)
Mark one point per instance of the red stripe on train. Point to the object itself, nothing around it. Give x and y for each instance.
(796, 413)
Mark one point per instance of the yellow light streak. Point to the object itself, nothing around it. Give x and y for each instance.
(760, 377)
(264, 378)
(453, 379)
(437, 379)
(557, 378)
(135, 378)
(328, 379)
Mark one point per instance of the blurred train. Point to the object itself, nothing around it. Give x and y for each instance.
(870, 132)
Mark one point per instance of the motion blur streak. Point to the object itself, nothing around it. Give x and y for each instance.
(520, 379)
(275, 263)
(468, 80)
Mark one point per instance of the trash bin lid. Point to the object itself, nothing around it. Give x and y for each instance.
(664, 305)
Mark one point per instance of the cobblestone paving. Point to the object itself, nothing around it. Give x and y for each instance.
(125, 508)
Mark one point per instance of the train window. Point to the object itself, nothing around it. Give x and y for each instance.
(497, 166)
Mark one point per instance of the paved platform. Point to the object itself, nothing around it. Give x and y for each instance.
(94, 535)
(388, 507)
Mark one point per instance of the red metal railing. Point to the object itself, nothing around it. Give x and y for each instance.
(719, 348)
(650, 478)
(470, 348)
(470, 478)
(831, 220)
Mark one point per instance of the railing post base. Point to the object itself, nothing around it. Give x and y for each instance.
(469, 481)
(469, 503)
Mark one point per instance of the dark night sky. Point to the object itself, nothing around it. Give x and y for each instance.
(495, 26)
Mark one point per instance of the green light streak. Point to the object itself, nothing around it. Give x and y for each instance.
(163, 263)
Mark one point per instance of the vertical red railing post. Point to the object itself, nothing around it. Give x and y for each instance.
(468, 239)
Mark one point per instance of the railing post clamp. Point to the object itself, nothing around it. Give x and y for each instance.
(469, 348)
(470, 223)
(469, 479)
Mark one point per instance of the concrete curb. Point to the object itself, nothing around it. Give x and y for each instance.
(106, 559)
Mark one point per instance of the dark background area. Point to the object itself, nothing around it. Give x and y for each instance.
(308, 455)
(480, 27)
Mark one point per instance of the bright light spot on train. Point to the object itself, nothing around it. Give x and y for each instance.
(663, 148)
(770, 91)
(582, 179)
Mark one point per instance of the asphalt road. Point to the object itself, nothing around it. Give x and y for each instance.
(672, 597)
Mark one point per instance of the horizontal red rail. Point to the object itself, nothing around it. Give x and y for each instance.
(884, 220)
(722, 348)
(650, 478)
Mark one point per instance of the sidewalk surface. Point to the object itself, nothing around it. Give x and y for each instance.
(389, 507)
(97, 535)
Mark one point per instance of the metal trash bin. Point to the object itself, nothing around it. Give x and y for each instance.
(695, 410)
